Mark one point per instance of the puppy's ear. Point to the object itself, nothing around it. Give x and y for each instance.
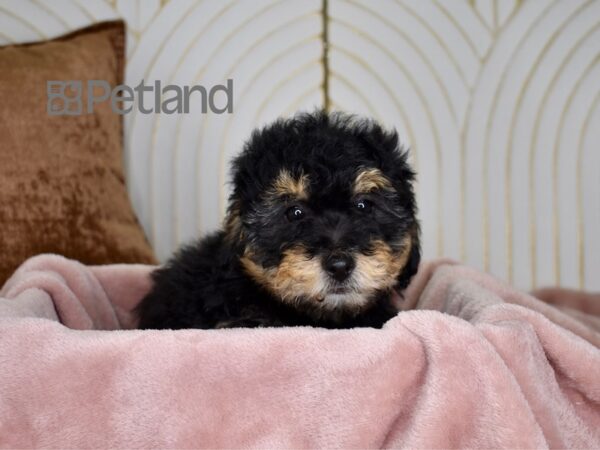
(391, 157)
(412, 263)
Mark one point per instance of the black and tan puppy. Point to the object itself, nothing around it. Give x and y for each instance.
(320, 229)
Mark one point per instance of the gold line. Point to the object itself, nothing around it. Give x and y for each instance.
(555, 150)
(405, 117)
(508, 158)
(272, 60)
(255, 44)
(495, 15)
(325, 58)
(181, 59)
(293, 107)
(202, 128)
(267, 36)
(164, 41)
(226, 134)
(401, 67)
(156, 117)
(557, 256)
(230, 70)
(86, 12)
(158, 11)
(413, 154)
(191, 42)
(263, 104)
(556, 222)
(359, 94)
(441, 42)
(580, 227)
(463, 137)
(486, 149)
(255, 77)
(532, 152)
(414, 151)
(268, 97)
(407, 39)
(458, 27)
(238, 61)
(42, 5)
(509, 149)
(439, 167)
(24, 22)
(162, 45)
(482, 20)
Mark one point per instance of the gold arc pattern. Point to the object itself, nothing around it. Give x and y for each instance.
(510, 146)
(261, 106)
(202, 128)
(399, 108)
(555, 151)
(406, 38)
(486, 147)
(463, 148)
(156, 118)
(169, 77)
(258, 73)
(581, 230)
(532, 156)
(362, 63)
(491, 20)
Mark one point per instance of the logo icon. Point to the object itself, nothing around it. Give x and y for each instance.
(64, 97)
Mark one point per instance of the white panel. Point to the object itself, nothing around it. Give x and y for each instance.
(14, 25)
(481, 177)
(70, 12)
(468, 21)
(588, 158)
(270, 49)
(499, 101)
(486, 11)
(42, 18)
(582, 91)
(504, 10)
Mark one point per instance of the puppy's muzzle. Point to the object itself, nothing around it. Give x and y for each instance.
(339, 266)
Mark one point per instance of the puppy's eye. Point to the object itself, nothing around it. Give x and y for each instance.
(295, 213)
(363, 205)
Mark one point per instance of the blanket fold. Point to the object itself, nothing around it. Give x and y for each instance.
(469, 362)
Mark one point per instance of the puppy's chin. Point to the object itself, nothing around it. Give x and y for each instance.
(351, 301)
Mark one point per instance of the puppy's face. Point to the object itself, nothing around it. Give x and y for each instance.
(323, 213)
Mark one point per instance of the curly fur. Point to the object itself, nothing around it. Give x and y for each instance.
(268, 265)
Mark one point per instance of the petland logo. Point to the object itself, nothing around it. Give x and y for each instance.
(65, 98)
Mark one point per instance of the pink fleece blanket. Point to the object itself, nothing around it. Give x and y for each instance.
(471, 363)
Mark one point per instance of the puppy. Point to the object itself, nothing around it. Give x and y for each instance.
(320, 229)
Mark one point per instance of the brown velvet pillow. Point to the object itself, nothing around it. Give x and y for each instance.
(62, 188)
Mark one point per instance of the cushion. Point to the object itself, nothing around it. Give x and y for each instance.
(62, 188)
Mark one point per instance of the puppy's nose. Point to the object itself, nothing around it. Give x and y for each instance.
(339, 266)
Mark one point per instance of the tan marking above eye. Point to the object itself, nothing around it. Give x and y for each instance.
(369, 180)
(285, 185)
